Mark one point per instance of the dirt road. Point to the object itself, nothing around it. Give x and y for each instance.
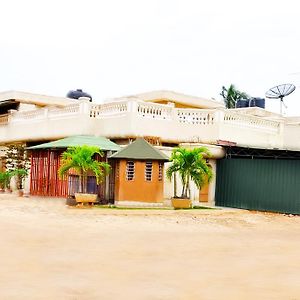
(49, 251)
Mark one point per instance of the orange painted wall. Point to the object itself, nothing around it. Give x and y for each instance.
(204, 193)
(138, 189)
(2, 164)
(177, 105)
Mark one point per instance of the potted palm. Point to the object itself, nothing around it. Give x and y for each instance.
(17, 165)
(6, 178)
(191, 165)
(82, 161)
(2, 182)
(20, 175)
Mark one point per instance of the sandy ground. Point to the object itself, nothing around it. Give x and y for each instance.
(49, 251)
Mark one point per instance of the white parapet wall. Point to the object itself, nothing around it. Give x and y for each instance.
(131, 118)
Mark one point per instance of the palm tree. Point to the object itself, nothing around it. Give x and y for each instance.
(191, 165)
(82, 160)
(232, 95)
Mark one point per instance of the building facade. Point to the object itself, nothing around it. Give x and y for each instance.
(165, 118)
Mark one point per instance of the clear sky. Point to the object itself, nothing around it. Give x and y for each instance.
(115, 48)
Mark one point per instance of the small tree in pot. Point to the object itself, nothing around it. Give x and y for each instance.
(191, 165)
(20, 175)
(7, 175)
(2, 182)
(82, 160)
(17, 164)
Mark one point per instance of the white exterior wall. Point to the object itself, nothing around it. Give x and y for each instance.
(212, 184)
(134, 119)
(130, 119)
(292, 136)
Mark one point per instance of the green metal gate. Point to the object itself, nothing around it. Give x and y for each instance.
(259, 184)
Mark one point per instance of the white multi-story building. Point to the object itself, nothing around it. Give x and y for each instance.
(165, 118)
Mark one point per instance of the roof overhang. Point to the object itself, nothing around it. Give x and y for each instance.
(37, 99)
(79, 140)
(156, 96)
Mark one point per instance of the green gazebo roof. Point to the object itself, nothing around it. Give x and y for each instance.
(79, 140)
(140, 150)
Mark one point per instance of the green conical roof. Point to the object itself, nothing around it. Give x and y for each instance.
(79, 140)
(140, 150)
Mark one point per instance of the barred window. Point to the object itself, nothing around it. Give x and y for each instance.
(160, 171)
(130, 170)
(148, 170)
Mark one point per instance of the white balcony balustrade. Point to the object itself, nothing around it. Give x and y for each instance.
(131, 118)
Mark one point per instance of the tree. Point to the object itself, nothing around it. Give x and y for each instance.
(82, 160)
(232, 95)
(2, 180)
(5, 177)
(191, 165)
(17, 163)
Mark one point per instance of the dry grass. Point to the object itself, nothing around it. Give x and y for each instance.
(49, 251)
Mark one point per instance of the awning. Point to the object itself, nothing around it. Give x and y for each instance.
(79, 140)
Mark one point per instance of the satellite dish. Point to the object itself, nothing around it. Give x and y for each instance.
(279, 92)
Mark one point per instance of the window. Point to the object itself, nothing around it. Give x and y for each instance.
(130, 170)
(160, 171)
(148, 170)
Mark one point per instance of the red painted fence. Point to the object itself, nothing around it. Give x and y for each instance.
(44, 180)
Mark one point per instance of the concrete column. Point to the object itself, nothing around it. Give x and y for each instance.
(132, 107)
(212, 184)
(46, 113)
(219, 115)
(85, 105)
(174, 114)
(218, 124)
(281, 127)
(132, 118)
(11, 113)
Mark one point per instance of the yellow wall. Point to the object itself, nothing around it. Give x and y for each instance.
(203, 197)
(177, 105)
(138, 189)
(2, 164)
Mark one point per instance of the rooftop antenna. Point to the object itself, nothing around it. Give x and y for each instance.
(279, 92)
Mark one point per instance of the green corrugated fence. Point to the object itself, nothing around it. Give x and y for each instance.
(259, 184)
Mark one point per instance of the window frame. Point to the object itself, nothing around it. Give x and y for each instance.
(130, 174)
(148, 172)
(160, 171)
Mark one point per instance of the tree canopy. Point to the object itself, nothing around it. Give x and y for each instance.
(191, 165)
(231, 95)
(82, 160)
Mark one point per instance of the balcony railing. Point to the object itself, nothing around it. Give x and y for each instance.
(44, 113)
(181, 124)
(108, 109)
(195, 116)
(154, 111)
(248, 121)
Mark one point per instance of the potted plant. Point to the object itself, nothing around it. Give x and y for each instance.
(2, 182)
(17, 165)
(7, 175)
(191, 165)
(82, 161)
(20, 175)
